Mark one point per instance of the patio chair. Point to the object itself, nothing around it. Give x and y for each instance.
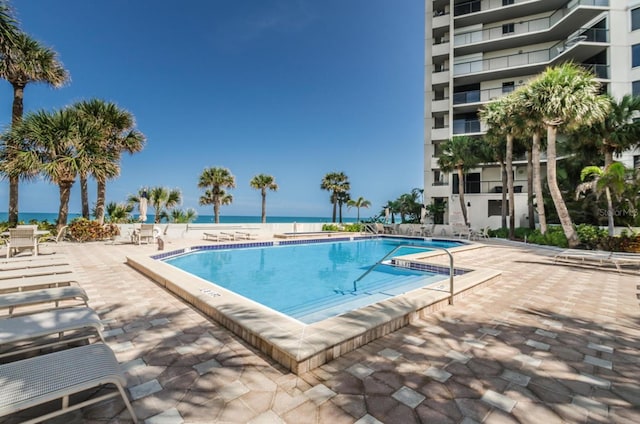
(145, 234)
(460, 231)
(26, 333)
(245, 235)
(33, 272)
(21, 239)
(54, 295)
(59, 375)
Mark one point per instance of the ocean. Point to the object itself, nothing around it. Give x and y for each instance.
(201, 219)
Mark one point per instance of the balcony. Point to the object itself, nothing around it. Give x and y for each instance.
(441, 77)
(559, 25)
(585, 44)
(468, 101)
(440, 105)
(488, 11)
(440, 19)
(440, 49)
(441, 133)
(462, 126)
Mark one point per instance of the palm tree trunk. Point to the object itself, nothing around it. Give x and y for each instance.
(509, 164)
(608, 155)
(609, 212)
(14, 181)
(537, 182)
(216, 212)
(503, 208)
(334, 201)
(101, 194)
(84, 196)
(530, 208)
(463, 206)
(65, 195)
(264, 206)
(556, 195)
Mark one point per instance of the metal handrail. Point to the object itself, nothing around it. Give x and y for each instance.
(395, 249)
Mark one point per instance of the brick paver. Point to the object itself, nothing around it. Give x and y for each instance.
(548, 343)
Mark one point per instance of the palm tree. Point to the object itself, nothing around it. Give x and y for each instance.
(118, 212)
(26, 61)
(48, 146)
(611, 180)
(502, 116)
(263, 183)
(183, 216)
(117, 134)
(566, 96)
(215, 180)
(160, 199)
(358, 203)
(8, 28)
(460, 154)
(336, 183)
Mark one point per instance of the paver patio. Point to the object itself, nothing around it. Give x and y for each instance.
(548, 343)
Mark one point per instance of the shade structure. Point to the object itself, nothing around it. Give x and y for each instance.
(143, 209)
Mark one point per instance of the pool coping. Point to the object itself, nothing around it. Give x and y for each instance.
(297, 346)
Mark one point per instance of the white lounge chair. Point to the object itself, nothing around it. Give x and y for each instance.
(26, 333)
(217, 236)
(56, 376)
(245, 235)
(32, 272)
(36, 282)
(34, 297)
(7, 266)
(49, 259)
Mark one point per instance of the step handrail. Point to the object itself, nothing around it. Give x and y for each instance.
(395, 249)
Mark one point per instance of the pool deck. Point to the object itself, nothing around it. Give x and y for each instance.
(548, 343)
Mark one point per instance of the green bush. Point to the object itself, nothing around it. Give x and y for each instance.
(349, 228)
(83, 230)
(590, 236)
(553, 237)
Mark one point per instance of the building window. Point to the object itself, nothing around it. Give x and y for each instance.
(494, 208)
(636, 161)
(635, 55)
(507, 2)
(635, 19)
(635, 88)
(471, 183)
(508, 87)
(508, 28)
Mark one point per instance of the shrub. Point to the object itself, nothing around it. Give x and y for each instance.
(349, 228)
(83, 230)
(590, 235)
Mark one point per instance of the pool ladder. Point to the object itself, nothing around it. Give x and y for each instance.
(395, 249)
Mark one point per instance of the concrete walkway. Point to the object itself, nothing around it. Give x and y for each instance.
(550, 343)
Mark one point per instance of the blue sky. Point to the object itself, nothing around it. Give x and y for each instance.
(290, 88)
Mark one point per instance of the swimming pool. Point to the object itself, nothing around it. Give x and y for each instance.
(297, 346)
(313, 281)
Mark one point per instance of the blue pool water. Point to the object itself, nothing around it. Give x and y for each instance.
(311, 282)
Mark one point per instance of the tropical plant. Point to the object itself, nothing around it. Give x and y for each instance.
(336, 183)
(502, 116)
(8, 28)
(25, 61)
(566, 96)
(215, 180)
(263, 183)
(180, 216)
(48, 146)
(343, 198)
(161, 199)
(358, 203)
(409, 207)
(460, 154)
(115, 134)
(118, 212)
(610, 180)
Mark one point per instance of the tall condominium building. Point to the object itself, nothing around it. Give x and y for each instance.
(479, 50)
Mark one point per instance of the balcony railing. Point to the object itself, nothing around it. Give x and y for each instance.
(474, 6)
(477, 96)
(466, 126)
(533, 57)
(524, 27)
(487, 187)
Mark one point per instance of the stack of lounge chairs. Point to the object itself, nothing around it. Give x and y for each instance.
(51, 343)
(599, 257)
